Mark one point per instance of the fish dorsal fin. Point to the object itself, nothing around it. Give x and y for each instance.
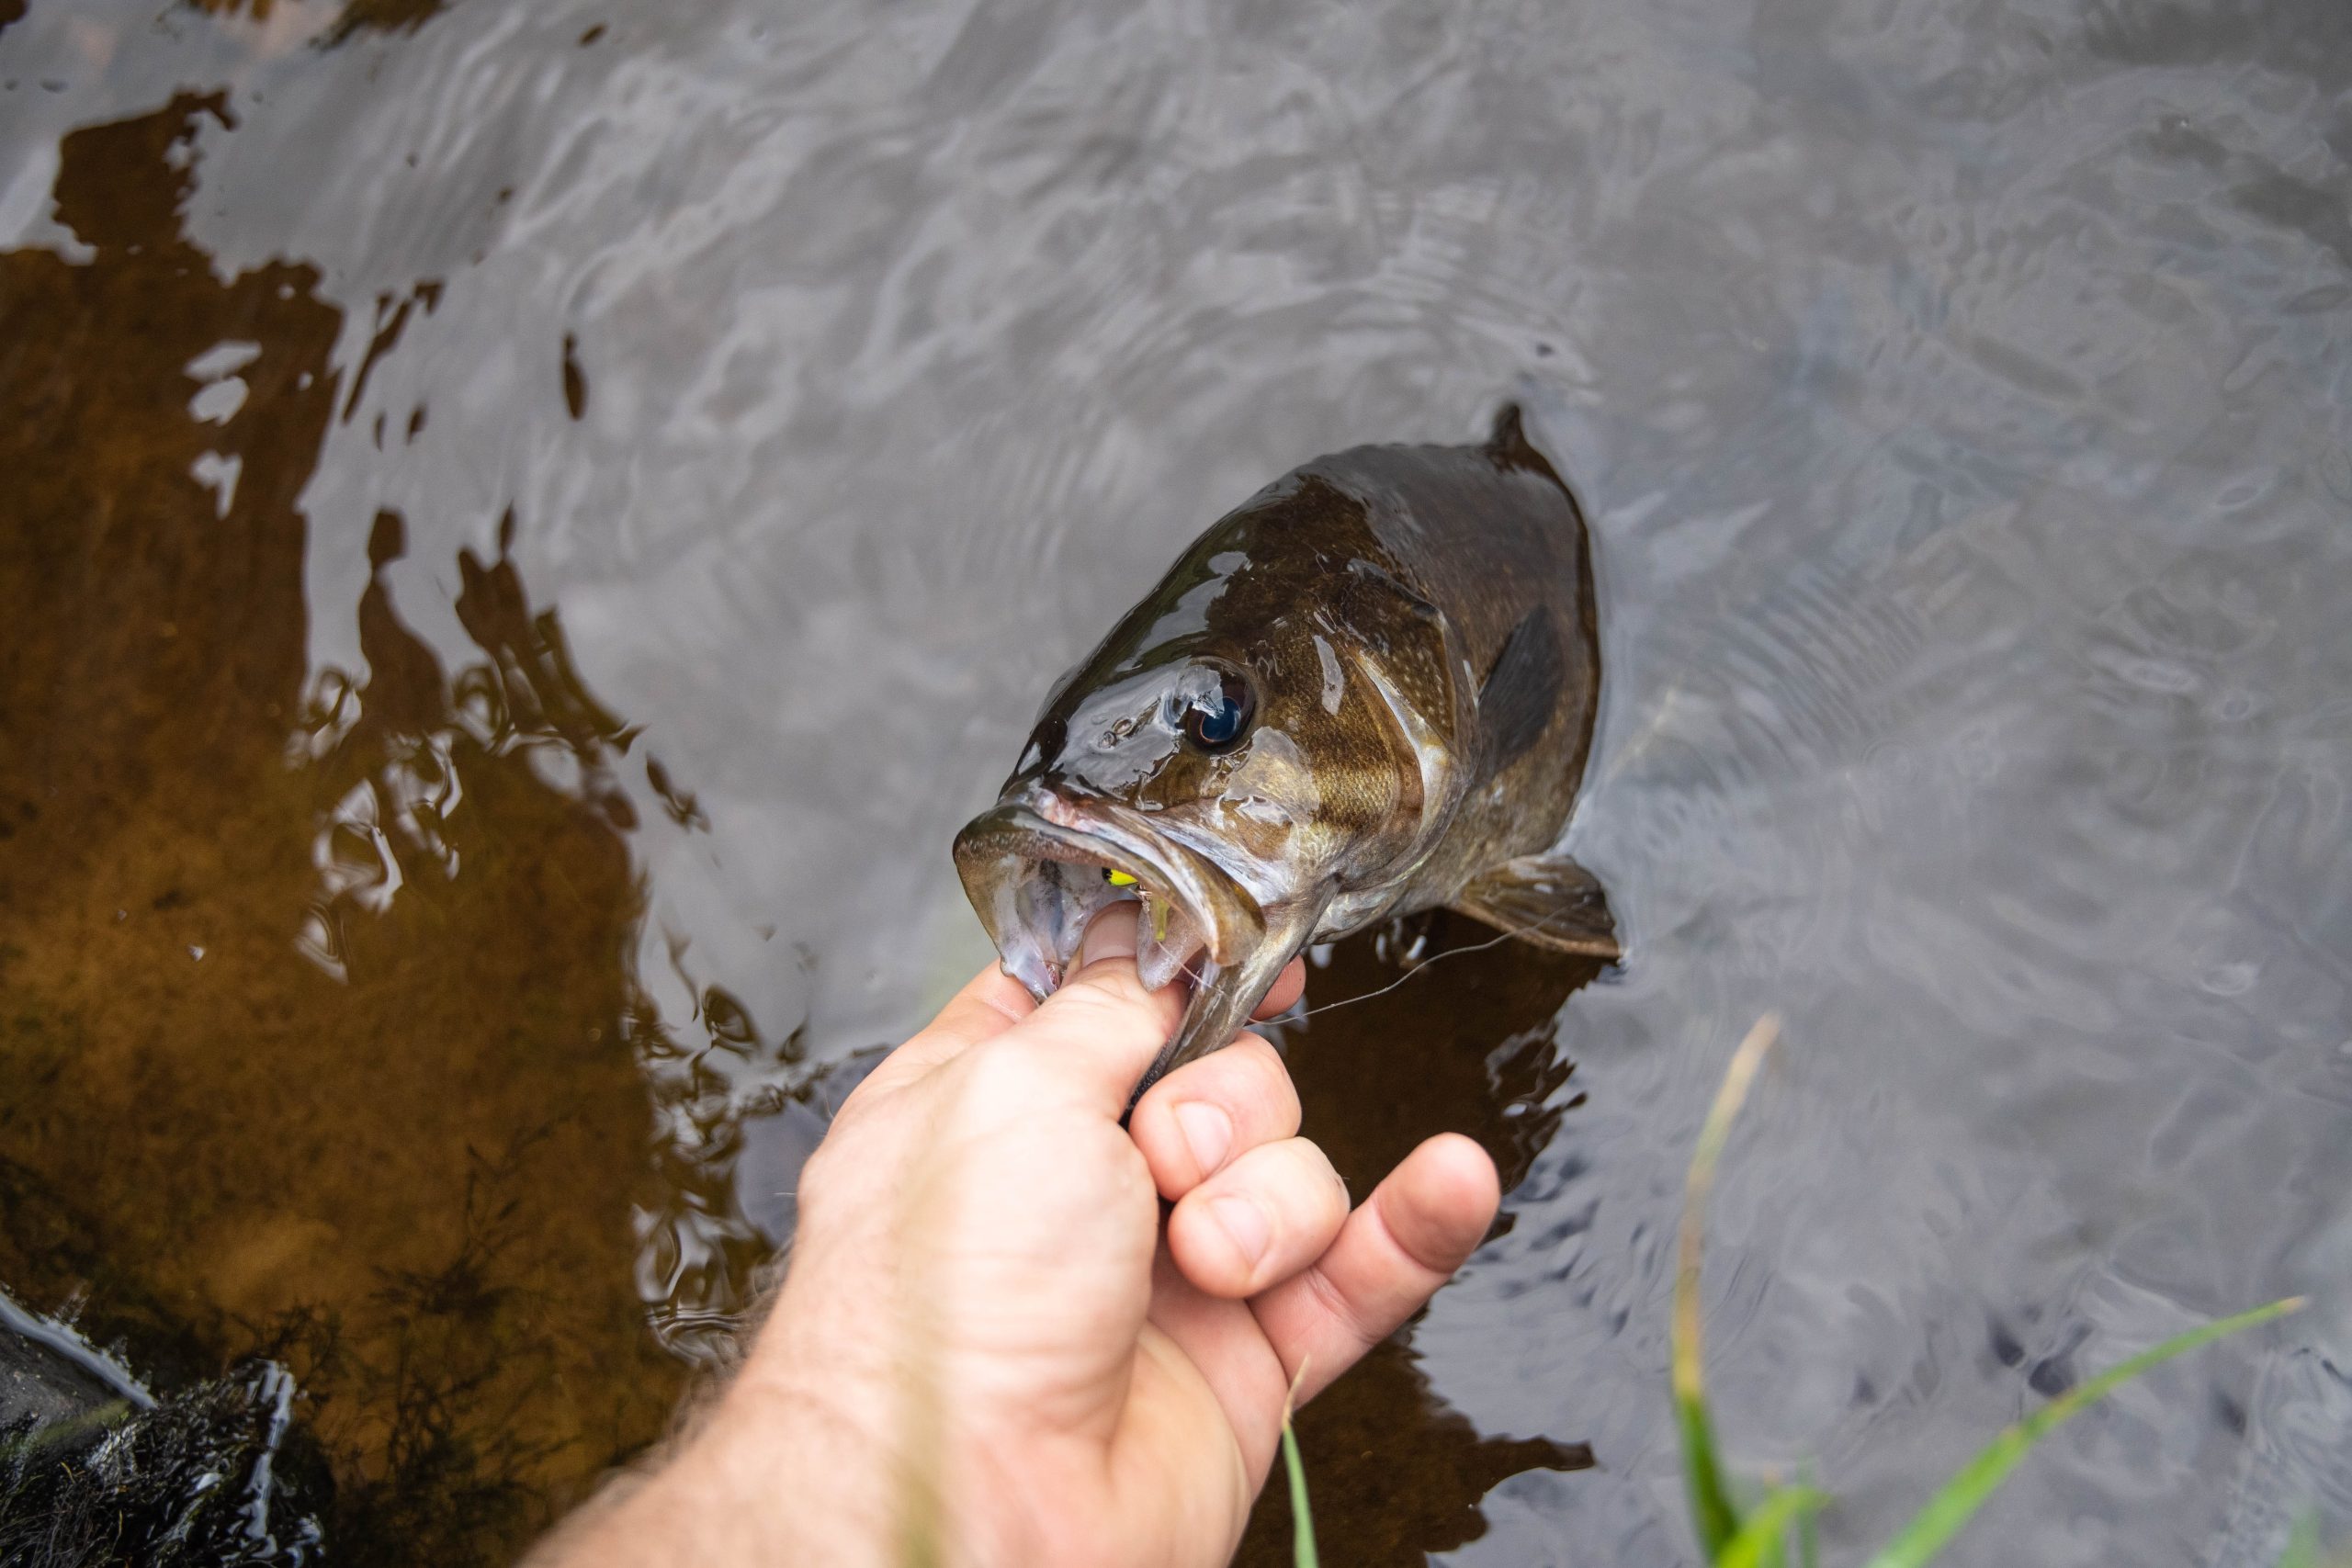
(1508, 445)
(1521, 692)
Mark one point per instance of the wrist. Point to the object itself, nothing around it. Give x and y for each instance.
(857, 1433)
(797, 1464)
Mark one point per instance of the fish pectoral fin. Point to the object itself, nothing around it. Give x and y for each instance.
(1549, 901)
(1521, 692)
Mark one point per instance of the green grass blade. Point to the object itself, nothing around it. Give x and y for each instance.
(2302, 1544)
(1808, 1538)
(1302, 1550)
(1302, 1518)
(1712, 1515)
(2304, 1550)
(1758, 1542)
(1948, 1509)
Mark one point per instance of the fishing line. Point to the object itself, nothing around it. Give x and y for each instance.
(1418, 968)
(1187, 971)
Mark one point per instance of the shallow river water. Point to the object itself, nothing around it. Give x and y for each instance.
(528, 528)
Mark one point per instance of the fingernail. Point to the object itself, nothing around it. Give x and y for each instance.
(1112, 935)
(1208, 1133)
(1243, 1224)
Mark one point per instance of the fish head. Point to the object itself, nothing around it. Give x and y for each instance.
(1246, 746)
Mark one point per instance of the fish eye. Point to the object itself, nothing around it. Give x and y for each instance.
(1216, 722)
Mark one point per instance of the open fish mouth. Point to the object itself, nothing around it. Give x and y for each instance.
(1039, 867)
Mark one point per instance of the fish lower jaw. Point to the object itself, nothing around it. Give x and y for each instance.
(1039, 869)
(1044, 925)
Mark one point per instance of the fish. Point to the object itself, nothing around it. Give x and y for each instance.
(1367, 692)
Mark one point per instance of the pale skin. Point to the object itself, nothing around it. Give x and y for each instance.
(991, 1349)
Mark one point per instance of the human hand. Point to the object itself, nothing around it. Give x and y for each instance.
(988, 1349)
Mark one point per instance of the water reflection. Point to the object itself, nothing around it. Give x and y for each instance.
(333, 27)
(405, 1168)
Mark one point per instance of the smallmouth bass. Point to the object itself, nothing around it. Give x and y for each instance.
(1368, 691)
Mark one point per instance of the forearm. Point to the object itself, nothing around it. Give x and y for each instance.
(832, 1445)
(773, 1475)
(796, 1461)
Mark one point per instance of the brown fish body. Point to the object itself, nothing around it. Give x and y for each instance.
(1368, 691)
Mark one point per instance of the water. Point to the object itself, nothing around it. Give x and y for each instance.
(530, 526)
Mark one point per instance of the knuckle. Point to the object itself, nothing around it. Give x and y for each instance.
(1293, 1183)
(1275, 1088)
(1248, 1079)
(1317, 1174)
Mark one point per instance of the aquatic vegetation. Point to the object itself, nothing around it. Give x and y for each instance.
(1755, 1537)
(1302, 1515)
(2303, 1549)
(220, 1473)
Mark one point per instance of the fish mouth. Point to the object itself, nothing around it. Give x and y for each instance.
(1039, 867)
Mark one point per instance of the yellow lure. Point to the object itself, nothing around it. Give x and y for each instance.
(1159, 910)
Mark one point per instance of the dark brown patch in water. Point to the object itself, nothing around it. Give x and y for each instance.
(575, 379)
(407, 1166)
(357, 15)
(1393, 1471)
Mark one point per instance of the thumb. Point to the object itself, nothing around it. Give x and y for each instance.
(1102, 1024)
